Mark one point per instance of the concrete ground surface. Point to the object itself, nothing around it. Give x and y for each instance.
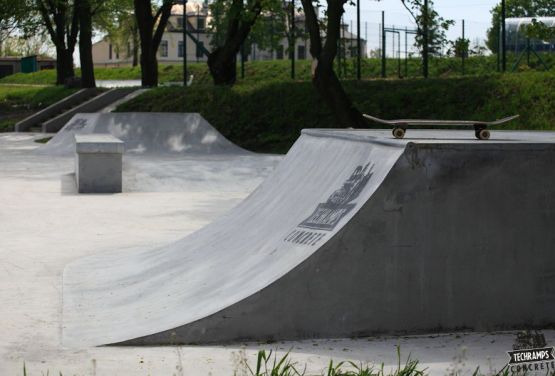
(44, 225)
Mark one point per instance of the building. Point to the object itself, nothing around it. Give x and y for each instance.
(15, 64)
(107, 54)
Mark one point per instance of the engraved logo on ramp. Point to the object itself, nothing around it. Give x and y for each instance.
(76, 124)
(328, 214)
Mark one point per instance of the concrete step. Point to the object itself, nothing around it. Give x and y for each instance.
(92, 105)
(55, 109)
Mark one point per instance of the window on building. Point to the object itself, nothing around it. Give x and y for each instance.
(180, 49)
(164, 48)
(279, 52)
(201, 23)
(110, 52)
(117, 53)
(301, 52)
(179, 22)
(200, 48)
(128, 49)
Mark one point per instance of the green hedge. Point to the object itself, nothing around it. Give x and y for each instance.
(268, 117)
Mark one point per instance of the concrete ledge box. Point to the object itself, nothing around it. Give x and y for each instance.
(98, 163)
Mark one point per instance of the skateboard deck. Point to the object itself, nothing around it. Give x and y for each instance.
(480, 127)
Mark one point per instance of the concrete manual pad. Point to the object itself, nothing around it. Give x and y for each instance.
(98, 143)
(44, 225)
(352, 234)
(98, 163)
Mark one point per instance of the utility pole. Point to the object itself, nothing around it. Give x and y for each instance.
(292, 47)
(359, 49)
(243, 60)
(198, 31)
(503, 37)
(383, 45)
(464, 45)
(184, 43)
(406, 52)
(425, 50)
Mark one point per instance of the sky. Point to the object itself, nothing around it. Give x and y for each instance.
(476, 14)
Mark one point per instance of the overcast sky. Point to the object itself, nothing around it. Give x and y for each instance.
(476, 14)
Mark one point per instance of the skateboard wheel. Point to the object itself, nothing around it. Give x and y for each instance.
(398, 132)
(482, 134)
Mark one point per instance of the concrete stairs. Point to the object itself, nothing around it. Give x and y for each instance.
(92, 105)
(54, 117)
(34, 121)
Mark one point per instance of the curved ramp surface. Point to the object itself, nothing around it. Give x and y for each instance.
(351, 235)
(145, 133)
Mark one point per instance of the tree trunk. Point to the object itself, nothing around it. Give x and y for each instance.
(330, 89)
(64, 66)
(223, 67)
(151, 29)
(135, 46)
(222, 62)
(149, 65)
(324, 78)
(61, 31)
(85, 44)
(135, 56)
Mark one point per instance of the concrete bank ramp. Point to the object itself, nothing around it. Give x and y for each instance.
(145, 133)
(353, 234)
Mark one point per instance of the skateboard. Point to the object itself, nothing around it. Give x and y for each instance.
(480, 127)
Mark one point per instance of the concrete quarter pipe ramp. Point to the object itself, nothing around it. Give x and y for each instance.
(352, 235)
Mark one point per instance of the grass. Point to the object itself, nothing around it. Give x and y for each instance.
(268, 117)
(43, 140)
(280, 70)
(269, 364)
(17, 102)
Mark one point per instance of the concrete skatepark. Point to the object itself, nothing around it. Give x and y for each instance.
(400, 180)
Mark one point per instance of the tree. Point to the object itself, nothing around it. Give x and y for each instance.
(85, 13)
(119, 23)
(270, 27)
(26, 46)
(539, 30)
(237, 18)
(459, 48)
(516, 8)
(61, 21)
(90, 14)
(437, 26)
(12, 14)
(151, 21)
(323, 53)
